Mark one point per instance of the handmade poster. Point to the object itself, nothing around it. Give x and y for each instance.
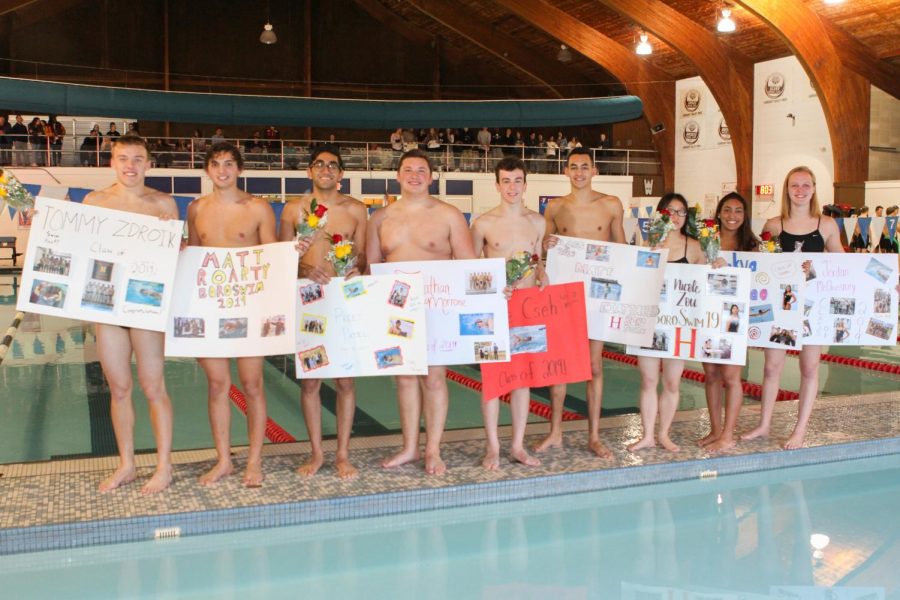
(850, 299)
(101, 265)
(234, 302)
(621, 286)
(371, 325)
(776, 297)
(548, 341)
(703, 315)
(465, 311)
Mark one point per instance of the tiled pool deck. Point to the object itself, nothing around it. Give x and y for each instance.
(53, 505)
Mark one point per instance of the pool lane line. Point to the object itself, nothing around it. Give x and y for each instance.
(103, 438)
(274, 432)
(851, 361)
(10, 334)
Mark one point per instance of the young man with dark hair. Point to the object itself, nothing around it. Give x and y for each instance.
(115, 345)
(419, 227)
(347, 217)
(588, 214)
(232, 218)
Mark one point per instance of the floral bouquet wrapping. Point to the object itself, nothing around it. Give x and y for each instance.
(520, 265)
(659, 228)
(312, 221)
(693, 221)
(708, 234)
(14, 193)
(341, 255)
(768, 243)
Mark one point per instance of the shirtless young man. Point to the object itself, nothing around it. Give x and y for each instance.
(347, 217)
(582, 213)
(130, 160)
(231, 218)
(501, 232)
(419, 227)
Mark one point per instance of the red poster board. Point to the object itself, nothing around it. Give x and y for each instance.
(548, 341)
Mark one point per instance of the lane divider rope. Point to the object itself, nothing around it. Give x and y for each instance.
(10, 334)
(274, 432)
(536, 408)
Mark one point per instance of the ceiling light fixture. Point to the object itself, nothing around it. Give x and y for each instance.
(834, 2)
(643, 48)
(268, 36)
(726, 23)
(564, 55)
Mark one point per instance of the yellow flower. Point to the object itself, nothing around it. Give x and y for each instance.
(3, 192)
(770, 245)
(312, 220)
(704, 233)
(342, 250)
(2, 177)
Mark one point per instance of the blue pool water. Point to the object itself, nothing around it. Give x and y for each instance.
(753, 536)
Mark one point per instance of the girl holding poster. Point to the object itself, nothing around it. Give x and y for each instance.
(800, 212)
(688, 251)
(735, 235)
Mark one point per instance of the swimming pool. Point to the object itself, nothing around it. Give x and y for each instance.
(771, 534)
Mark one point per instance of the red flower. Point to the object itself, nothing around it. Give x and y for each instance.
(665, 212)
(710, 222)
(766, 236)
(320, 210)
(535, 258)
(337, 238)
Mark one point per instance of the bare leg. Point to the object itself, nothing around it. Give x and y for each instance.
(734, 397)
(114, 351)
(410, 404)
(810, 357)
(346, 409)
(595, 401)
(668, 400)
(649, 401)
(771, 380)
(218, 380)
(518, 405)
(436, 399)
(250, 370)
(554, 439)
(148, 350)
(490, 411)
(713, 386)
(311, 404)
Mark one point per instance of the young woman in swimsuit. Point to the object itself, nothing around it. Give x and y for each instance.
(800, 228)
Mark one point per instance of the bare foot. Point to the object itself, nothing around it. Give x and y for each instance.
(554, 440)
(311, 466)
(756, 433)
(434, 465)
(160, 481)
(795, 441)
(401, 458)
(668, 444)
(222, 469)
(521, 456)
(344, 469)
(709, 439)
(121, 476)
(491, 460)
(599, 449)
(647, 442)
(253, 475)
(723, 443)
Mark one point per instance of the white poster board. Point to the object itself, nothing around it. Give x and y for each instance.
(372, 325)
(234, 302)
(466, 313)
(622, 284)
(851, 299)
(776, 297)
(101, 265)
(703, 315)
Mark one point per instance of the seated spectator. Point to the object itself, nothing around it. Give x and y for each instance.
(162, 153)
(255, 144)
(90, 148)
(218, 136)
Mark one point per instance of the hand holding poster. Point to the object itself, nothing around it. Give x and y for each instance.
(621, 283)
(850, 299)
(101, 265)
(776, 297)
(363, 326)
(548, 341)
(234, 302)
(464, 307)
(703, 315)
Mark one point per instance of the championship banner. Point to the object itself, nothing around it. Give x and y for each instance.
(101, 265)
(466, 313)
(703, 315)
(622, 284)
(372, 325)
(776, 297)
(548, 341)
(234, 302)
(850, 299)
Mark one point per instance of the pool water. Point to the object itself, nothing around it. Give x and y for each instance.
(788, 533)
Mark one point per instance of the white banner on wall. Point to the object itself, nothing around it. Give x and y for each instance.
(234, 302)
(100, 265)
(703, 315)
(621, 286)
(372, 325)
(466, 313)
(850, 299)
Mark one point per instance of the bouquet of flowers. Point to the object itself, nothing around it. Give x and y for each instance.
(313, 220)
(659, 228)
(14, 193)
(768, 243)
(520, 265)
(708, 234)
(341, 255)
